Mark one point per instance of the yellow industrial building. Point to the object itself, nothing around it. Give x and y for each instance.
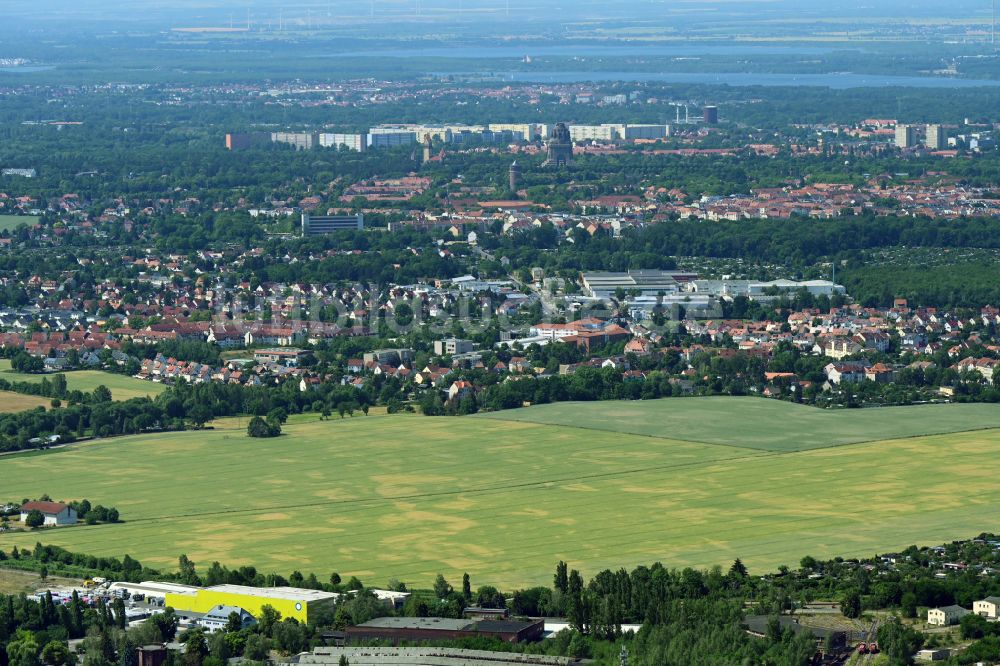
(289, 601)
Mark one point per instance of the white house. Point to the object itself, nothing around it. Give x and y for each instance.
(217, 618)
(845, 373)
(946, 615)
(55, 513)
(988, 607)
(460, 390)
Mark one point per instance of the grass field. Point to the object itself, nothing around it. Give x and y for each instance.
(11, 222)
(18, 582)
(410, 496)
(122, 387)
(18, 402)
(769, 425)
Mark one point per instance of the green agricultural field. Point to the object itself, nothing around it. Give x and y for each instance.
(11, 222)
(769, 425)
(122, 387)
(410, 496)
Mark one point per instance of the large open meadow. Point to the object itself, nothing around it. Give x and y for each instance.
(12, 222)
(770, 425)
(18, 402)
(122, 387)
(409, 496)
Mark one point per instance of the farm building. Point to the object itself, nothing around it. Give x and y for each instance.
(946, 615)
(395, 629)
(55, 513)
(291, 602)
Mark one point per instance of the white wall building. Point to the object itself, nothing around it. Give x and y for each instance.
(528, 131)
(54, 513)
(946, 615)
(595, 132)
(356, 142)
(988, 607)
(217, 618)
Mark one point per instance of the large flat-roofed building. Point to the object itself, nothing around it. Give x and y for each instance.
(521, 131)
(387, 137)
(646, 282)
(243, 141)
(617, 132)
(287, 357)
(291, 602)
(633, 132)
(452, 346)
(356, 142)
(396, 629)
(442, 133)
(763, 290)
(370, 655)
(151, 589)
(694, 306)
(606, 132)
(316, 225)
(300, 140)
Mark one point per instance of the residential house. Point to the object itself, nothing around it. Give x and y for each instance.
(845, 373)
(460, 390)
(880, 373)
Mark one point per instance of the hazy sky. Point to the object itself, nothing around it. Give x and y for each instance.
(110, 15)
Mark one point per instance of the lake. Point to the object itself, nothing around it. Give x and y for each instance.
(589, 50)
(836, 80)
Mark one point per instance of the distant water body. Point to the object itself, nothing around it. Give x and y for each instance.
(27, 69)
(592, 51)
(838, 81)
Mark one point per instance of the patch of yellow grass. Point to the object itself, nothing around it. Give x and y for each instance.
(18, 402)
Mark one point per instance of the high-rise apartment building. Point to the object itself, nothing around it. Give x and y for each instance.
(937, 137)
(906, 136)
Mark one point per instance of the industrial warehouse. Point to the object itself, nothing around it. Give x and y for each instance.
(397, 629)
(291, 602)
